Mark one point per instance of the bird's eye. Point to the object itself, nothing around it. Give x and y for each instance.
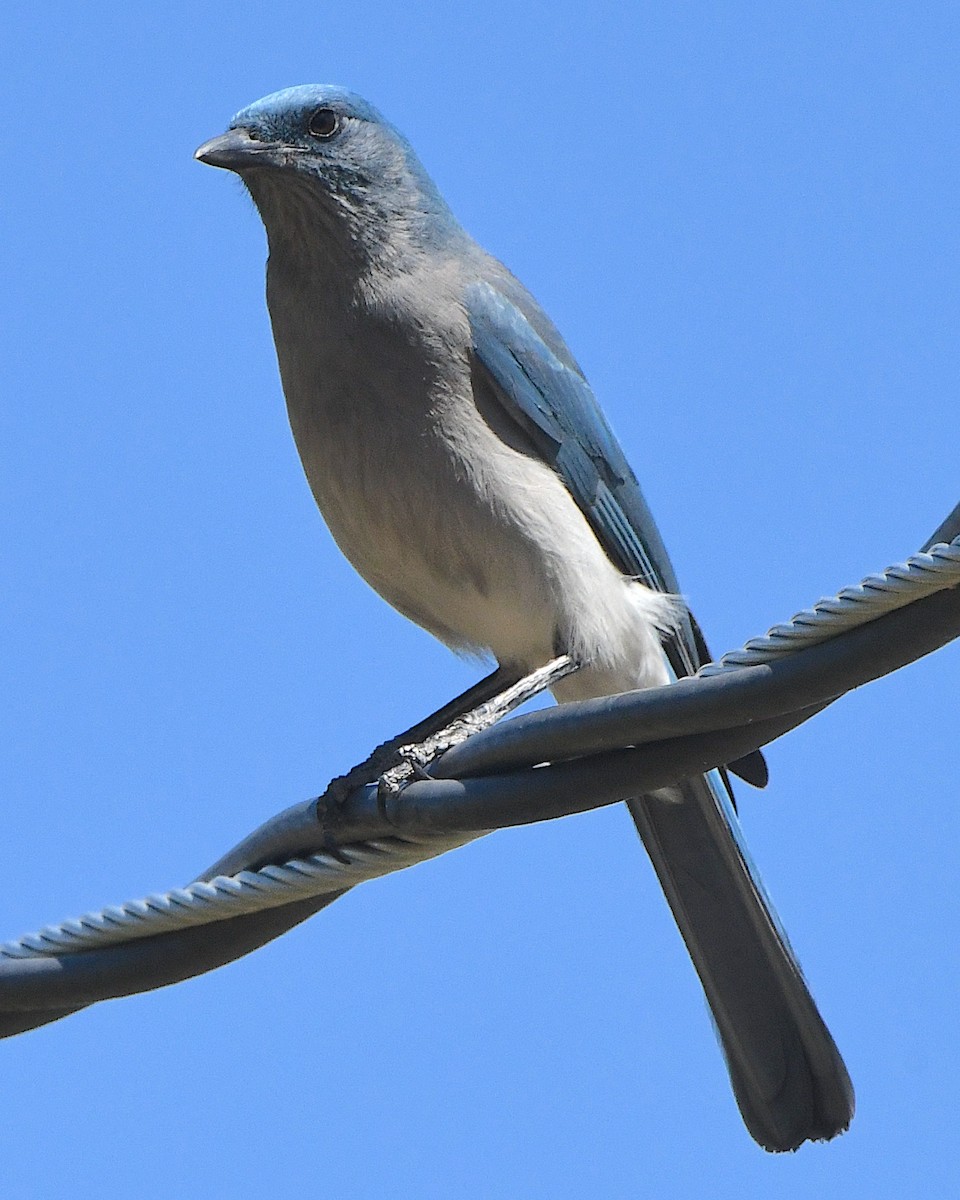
(323, 123)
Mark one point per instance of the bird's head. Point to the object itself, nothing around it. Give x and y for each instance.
(322, 163)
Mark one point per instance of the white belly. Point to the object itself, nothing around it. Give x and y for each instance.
(478, 543)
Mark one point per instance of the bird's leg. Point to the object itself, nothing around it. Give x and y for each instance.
(494, 697)
(386, 754)
(399, 759)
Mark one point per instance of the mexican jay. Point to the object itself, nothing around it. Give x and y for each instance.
(464, 467)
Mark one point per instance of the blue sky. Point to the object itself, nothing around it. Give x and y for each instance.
(743, 216)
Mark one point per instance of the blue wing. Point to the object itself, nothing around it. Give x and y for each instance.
(541, 389)
(547, 396)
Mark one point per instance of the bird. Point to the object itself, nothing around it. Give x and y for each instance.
(464, 467)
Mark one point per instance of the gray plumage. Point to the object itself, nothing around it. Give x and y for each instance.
(463, 466)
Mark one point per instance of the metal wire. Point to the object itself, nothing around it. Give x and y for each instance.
(326, 873)
(231, 895)
(897, 586)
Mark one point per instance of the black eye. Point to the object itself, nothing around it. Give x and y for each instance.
(323, 123)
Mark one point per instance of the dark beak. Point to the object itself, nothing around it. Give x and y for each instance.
(236, 150)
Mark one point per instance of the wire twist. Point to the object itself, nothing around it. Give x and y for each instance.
(319, 874)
